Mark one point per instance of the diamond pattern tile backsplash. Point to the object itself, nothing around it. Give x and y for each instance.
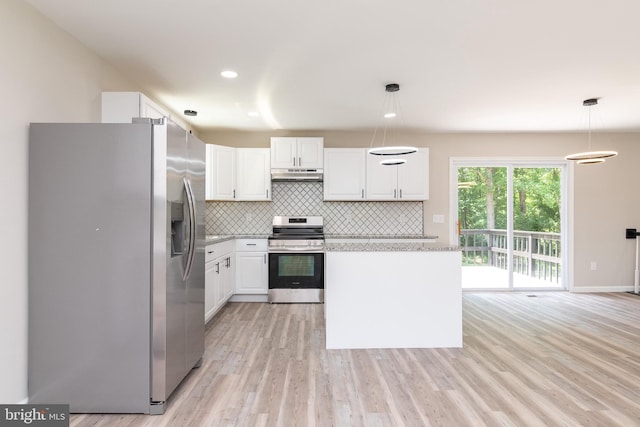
(305, 198)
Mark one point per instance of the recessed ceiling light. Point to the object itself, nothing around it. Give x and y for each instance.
(229, 74)
(389, 115)
(253, 114)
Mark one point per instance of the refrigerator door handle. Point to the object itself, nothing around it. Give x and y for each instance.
(192, 228)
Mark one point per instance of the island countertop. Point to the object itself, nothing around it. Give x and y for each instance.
(390, 247)
(380, 237)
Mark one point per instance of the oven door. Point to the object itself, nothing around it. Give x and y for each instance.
(296, 270)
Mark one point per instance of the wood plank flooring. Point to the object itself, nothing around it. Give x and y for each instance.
(556, 359)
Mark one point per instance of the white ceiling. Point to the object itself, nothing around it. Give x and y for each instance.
(463, 65)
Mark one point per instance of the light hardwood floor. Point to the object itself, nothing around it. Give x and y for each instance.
(556, 359)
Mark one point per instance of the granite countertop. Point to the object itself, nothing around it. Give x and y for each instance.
(380, 236)
(210, 239)
(391, 247)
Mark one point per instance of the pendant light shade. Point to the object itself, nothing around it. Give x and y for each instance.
(391, 111)
(393, 161)
(392, 151)
(591, 157)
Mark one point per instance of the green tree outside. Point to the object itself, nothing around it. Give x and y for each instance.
(482, 198)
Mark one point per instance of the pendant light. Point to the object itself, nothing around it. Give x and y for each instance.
(391, 111)
(591, 157)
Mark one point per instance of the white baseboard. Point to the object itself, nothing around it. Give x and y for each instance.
(248, 298)
(602, 289)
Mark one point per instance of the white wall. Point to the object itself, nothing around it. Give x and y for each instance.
(46, 75)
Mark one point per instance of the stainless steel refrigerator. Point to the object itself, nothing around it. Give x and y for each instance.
(116, 264)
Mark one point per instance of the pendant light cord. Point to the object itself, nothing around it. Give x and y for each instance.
(590, 106)
(385, 101)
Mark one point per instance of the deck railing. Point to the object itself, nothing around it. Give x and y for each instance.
(535, 254)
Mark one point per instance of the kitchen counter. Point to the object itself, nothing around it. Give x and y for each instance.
(389, 247)
(393, 295)
(211, 239)
(381, 236)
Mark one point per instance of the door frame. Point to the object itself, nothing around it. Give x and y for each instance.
(566, 190)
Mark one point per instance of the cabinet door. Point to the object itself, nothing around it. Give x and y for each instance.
(211, 286)
(283, 153)
(228, 279)
(252, 273)
(254, 174)
(382, 181)
(121, 107)
(413, 176)
(150, 109)
(344, 173)
(310, 152)
(223, 172)
(209, 179)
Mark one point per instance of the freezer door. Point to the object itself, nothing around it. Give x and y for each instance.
(89, 266)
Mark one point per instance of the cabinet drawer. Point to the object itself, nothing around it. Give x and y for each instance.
(210, 253)
(251, 245)
(216, 250)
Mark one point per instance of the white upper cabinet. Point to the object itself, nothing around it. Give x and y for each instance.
(284, 152)
(344, 173)
(382, 181)
(121, 107)
(220, 172)
(254, 174)
(238, 174)
(310, 153)
(409, 181)
(413, 176)
(299, 153)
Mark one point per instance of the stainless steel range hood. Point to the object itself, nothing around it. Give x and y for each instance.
(308, 175)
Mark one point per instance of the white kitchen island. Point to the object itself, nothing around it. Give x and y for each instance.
(393, 295)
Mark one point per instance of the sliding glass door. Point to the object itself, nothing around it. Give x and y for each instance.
(482, 226)
(511, 218)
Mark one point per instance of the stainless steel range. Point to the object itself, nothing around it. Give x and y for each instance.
(296, 260)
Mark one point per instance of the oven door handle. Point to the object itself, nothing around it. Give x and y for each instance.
(292, 250)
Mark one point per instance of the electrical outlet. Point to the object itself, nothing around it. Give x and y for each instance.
(402, 219)
(248, 217)
(594, 266)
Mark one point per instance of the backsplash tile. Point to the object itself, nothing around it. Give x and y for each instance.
(305, 198)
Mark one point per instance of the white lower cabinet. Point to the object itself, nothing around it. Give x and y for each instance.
(235, 267)
(252, 268)
(218, 277)
(211, 287)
